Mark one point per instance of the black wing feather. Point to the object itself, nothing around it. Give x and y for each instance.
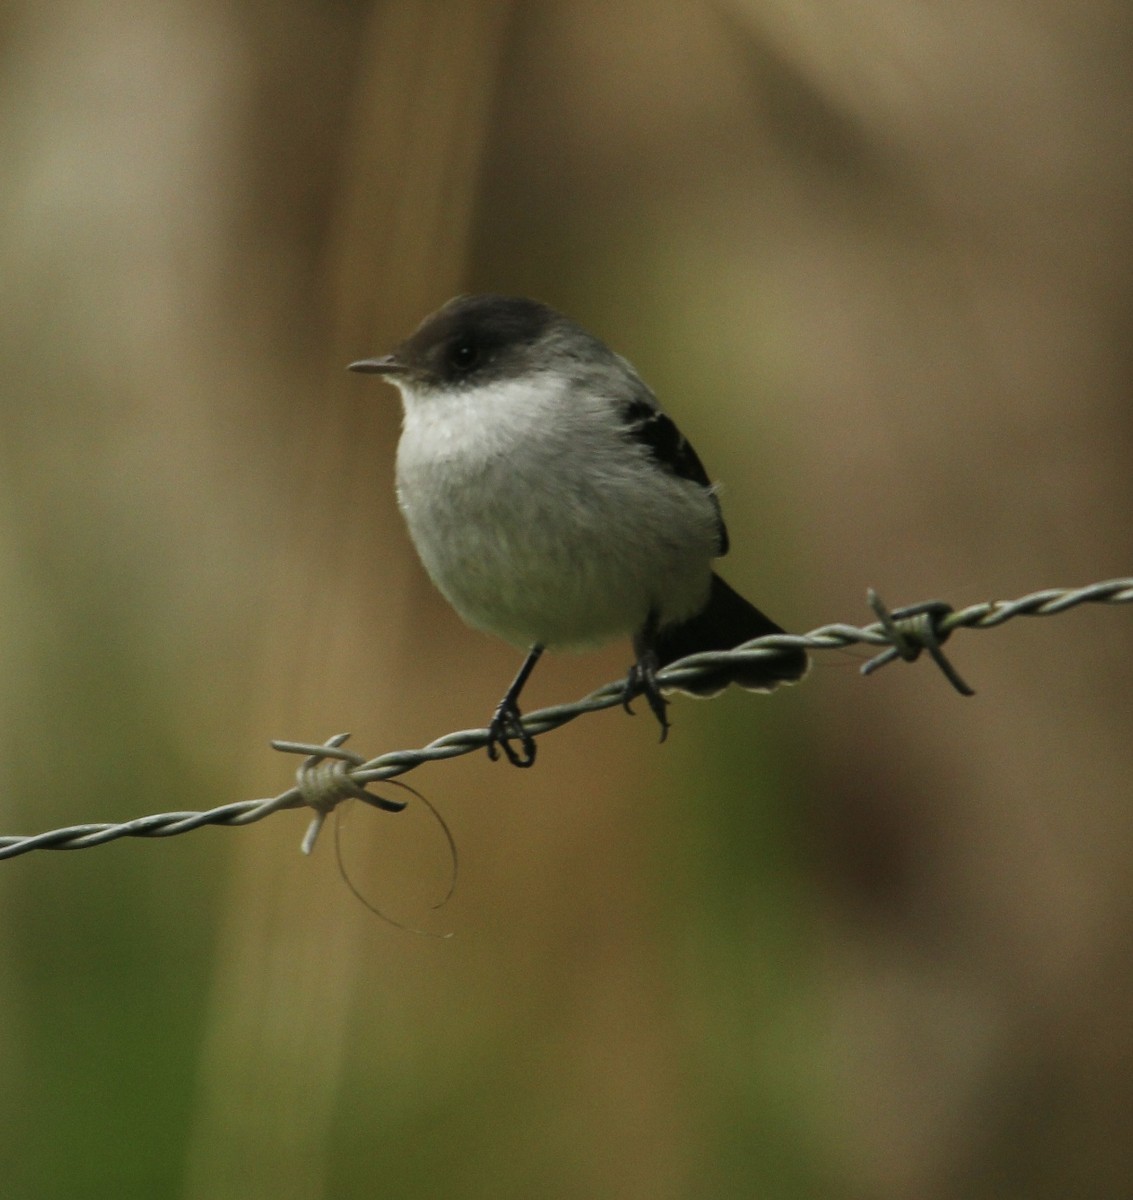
(651, 428)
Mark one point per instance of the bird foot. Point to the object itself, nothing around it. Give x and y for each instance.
(506, 727)
(642, 681)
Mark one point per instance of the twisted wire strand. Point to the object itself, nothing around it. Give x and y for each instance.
(330, 774)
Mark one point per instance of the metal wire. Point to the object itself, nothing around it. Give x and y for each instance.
(330, 774)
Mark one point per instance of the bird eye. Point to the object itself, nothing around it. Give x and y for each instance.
(463, 355)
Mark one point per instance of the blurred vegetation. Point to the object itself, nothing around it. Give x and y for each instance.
(863, 939)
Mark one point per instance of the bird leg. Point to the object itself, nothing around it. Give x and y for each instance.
(507, 723)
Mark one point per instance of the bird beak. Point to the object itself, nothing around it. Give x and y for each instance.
(386, 365)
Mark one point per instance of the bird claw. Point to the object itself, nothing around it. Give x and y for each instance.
(642, 681)
(506, 727)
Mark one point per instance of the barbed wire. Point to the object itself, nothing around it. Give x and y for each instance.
(330, 774)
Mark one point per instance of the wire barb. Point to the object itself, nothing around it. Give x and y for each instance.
(330, 774)
(911, 630)
(323, 781)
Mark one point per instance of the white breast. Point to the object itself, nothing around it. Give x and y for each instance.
(541, 522)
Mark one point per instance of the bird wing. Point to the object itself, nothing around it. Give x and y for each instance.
(647, 425)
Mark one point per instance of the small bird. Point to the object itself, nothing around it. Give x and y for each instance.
(555, 505)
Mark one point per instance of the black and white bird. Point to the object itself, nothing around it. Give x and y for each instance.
(555, 505)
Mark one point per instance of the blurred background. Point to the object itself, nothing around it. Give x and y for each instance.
(862, 939)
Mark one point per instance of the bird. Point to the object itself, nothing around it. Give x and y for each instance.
(555, 504)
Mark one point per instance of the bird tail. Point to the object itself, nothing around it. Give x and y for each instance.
(724, 622)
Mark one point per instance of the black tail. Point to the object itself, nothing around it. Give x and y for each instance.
(724, 622)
